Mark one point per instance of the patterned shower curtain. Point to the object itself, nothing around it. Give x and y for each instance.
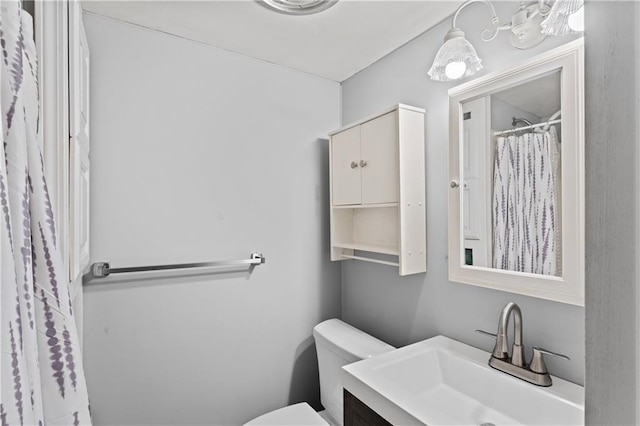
(526, 231)
(42, 375)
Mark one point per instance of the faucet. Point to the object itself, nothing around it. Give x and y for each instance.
(501, 350)
(516, 364)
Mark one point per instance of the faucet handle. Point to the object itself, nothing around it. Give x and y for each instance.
(537, 362)
(486, 333)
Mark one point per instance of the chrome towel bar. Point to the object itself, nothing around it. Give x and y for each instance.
(103, 269)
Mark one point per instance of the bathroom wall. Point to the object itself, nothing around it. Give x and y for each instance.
(612, 215)
(408, 309)
(199, 154)
(502, 115)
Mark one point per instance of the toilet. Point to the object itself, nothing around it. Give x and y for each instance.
(337, 344)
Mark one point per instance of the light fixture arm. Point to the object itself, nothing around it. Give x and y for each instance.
(543, 8)
(487, 35)
(457, 58)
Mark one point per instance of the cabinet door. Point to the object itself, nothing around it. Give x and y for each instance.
(357, 413)
(345, 166)
(379, 160)
(79, 167)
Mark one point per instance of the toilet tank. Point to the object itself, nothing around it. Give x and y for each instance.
(338, 344)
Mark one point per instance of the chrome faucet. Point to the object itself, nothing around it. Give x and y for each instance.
(501, 351)
(516, 364)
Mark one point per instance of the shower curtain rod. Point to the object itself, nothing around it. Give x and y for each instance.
(103, 269)
(533, 126)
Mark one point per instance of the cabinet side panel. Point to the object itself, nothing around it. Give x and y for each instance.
(332, 218)
(413, 238)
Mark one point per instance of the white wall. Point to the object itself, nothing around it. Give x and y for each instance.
(405, 310)
(199, 154)
(502, 115)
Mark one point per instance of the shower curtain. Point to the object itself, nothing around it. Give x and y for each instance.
(42, 375)
(526, 228)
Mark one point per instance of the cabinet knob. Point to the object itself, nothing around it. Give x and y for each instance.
(354, 164)
(454, 184)
(363, 163)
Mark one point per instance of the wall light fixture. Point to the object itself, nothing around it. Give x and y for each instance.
(457, 58)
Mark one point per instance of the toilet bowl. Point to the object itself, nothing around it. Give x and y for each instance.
(337, 344)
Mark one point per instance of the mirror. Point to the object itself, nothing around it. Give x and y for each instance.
(511, 194)
(516, 169)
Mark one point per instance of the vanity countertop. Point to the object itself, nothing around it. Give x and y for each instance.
(443, 381)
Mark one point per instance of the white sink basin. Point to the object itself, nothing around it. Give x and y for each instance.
(440, 381)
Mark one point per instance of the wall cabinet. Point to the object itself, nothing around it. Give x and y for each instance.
(365, 163)
(378, 190)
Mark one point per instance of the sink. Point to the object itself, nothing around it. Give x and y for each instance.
(441, 381)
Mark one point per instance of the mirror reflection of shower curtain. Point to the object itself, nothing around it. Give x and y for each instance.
(526, 209)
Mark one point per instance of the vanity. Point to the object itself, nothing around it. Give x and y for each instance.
(441, 381)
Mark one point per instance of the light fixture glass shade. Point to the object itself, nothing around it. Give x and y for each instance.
(557, 22)
(576, 20)
(456, 58)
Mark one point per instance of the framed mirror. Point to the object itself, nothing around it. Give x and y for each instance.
(516, 178)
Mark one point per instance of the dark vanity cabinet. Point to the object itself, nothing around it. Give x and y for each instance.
(357, 413)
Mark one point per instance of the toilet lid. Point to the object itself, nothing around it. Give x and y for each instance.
(295, 415)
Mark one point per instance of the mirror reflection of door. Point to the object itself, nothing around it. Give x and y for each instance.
(512, 178)
(476, 183)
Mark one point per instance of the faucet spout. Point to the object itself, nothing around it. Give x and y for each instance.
(501, 350)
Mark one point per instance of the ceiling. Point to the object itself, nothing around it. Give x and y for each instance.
(334, 44)
(539, 97)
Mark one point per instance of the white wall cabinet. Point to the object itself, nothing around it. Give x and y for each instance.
(378, 189)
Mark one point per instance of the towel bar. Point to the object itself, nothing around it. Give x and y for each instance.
(104, 269)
